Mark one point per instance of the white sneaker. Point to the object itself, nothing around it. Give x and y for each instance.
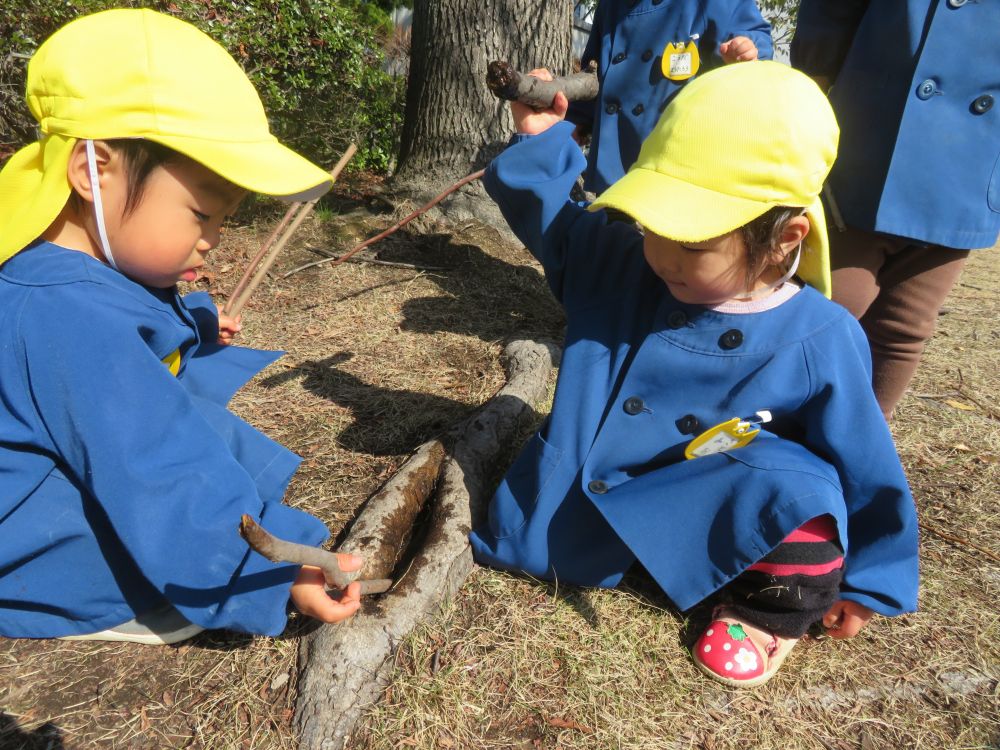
(159, 627)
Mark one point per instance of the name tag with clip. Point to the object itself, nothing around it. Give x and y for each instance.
(733, 433)
(681, 60)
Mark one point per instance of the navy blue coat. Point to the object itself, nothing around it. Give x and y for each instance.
(627, 42)
(604, 482)
(123, 485)
(916, 94)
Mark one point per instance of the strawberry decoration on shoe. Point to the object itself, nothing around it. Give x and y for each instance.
(738, 654)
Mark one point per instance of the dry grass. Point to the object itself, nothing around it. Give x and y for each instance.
(379, 359)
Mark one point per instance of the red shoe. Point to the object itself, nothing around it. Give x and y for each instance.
(739, 654)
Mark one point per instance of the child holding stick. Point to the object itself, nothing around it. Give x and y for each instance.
(714, 418)
(124, 474)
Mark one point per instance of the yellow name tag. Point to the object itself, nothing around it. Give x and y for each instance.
(680, 60)
(733, 433)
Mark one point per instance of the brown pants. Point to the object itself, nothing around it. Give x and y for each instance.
(895, 287)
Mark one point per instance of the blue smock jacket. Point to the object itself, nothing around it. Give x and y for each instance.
(627, 41)
(915, 90)
(604, 482)
(123, 485)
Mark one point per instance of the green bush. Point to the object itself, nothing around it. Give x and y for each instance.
(316, 63)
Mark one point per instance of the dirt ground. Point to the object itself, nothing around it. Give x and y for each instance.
(380, 358)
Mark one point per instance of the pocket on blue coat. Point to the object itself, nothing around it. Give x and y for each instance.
(517, 495)
(993, 193)
(771, 453)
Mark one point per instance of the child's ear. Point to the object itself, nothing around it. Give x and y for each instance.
(792, 235)
(78, 170)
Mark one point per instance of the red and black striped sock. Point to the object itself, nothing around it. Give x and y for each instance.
(793, 585)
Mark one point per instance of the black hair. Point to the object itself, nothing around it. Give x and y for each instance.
(762, 236)
(139, 158)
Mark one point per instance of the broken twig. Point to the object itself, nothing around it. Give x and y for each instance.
(958, 540)
(398, 225)
(506, 82)
(280, 550)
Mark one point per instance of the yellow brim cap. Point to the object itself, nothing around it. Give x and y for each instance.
(131, 73)
(814, 267)
(677, 209)
(266, 167)
(733, 144)
(33, 190)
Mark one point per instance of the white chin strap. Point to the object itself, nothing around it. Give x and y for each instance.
(95, 187)
(775, 284)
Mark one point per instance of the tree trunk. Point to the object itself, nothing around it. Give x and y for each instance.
(453, 124)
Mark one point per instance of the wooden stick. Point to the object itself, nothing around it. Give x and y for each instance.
(248, 274)
(398, 225)
(506, 82)
(324, 253)
(281, 550)
(237, 301)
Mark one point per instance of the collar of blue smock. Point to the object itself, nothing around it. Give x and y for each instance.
(700, 329)
(47, 264)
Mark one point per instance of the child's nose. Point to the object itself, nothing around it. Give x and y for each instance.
(208, 240)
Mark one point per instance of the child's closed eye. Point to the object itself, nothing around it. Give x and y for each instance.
(200, 216)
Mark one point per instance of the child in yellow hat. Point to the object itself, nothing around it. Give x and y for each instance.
(713, 420)
(124, 473)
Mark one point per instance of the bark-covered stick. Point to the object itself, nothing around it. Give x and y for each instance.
(506, 82)
(280, 550)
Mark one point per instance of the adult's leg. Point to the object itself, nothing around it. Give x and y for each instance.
(914, 282)
(856, 259)
(896, 290)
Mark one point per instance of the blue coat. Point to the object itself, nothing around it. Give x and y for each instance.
(917, 96)
(123, 485)
(604, 482)
(627, 42)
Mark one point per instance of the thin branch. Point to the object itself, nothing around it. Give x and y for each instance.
(398, 225)
(958, 540)
(237, 301)
(281, 550)
(376, 262)
(268, 243)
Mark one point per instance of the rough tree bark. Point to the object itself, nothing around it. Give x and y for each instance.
(453, 124)
(346, 666)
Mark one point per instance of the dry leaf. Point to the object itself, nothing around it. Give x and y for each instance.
(555, 721)
(959, 405)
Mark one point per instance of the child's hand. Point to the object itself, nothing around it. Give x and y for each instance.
(533, 121)
(310, 597)
(738, 49)
(228, 326)
(846, 618)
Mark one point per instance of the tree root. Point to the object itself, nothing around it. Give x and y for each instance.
(345, 667)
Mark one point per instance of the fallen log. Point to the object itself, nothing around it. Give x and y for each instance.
(345, 667)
